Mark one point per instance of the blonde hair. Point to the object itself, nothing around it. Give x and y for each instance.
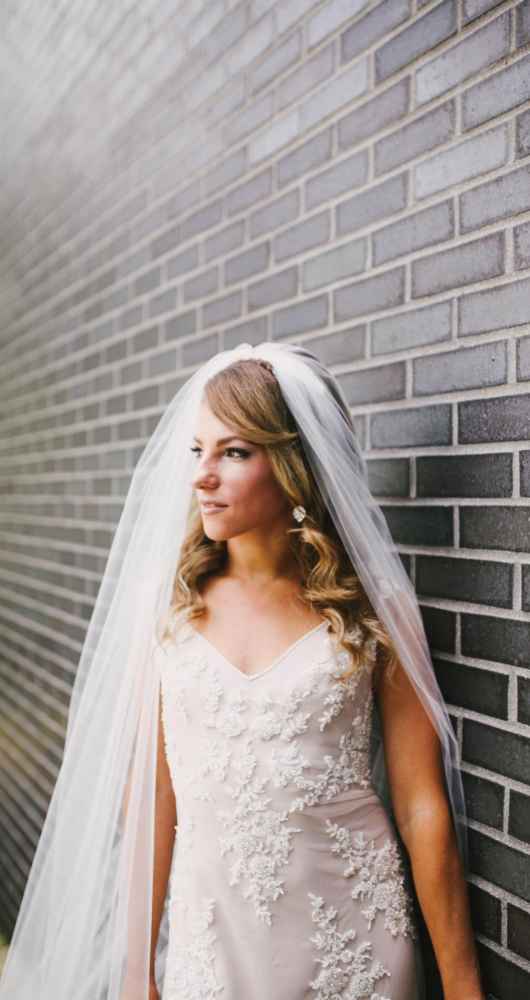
(246, 396)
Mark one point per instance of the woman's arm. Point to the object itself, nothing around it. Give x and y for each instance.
(164, 836)
(423, 818)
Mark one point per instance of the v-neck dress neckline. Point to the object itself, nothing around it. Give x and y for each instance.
(279, 659)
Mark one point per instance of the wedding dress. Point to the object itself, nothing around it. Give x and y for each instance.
(287, 882)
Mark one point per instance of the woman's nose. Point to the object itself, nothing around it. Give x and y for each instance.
(204, 475)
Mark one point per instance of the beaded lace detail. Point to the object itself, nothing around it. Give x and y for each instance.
(346, 972)
(378, 876)
(191, 974)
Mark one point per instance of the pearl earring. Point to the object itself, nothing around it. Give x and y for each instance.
(299, 513)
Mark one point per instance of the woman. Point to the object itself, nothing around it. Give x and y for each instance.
(249, 732)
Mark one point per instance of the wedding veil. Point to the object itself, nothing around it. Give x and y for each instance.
(84, 925)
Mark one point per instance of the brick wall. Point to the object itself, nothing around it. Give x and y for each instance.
(351, 174)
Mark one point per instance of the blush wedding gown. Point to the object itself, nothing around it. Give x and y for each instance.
(286, 881)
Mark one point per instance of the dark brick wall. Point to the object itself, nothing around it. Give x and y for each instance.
(354, 176)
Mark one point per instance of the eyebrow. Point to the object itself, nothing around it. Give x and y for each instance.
(234, 437)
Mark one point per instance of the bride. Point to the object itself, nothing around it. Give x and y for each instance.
(225, 693)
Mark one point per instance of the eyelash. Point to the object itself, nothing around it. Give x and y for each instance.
(241, 451)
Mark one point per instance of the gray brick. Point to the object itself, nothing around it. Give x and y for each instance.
(505, 528)
(373, 26)
(382, 291)
(523, 358)
(280, 133)
(202, 220)
(275, 214)
(339, 347)
(523, 134)
(171, 238)
(187, 260)
(478, 50)
(506, 418)
(502, 639)
(495, 309)
(199, 350)
(412, 428)
(224, 241)
(341, 262)
(305, 157)
(160, 364)
(345, 175)
(231, 169)
(249, 119)
(282, 285)
(251, 261)
(420, 136)
(258, 187)
(499, 93)
(182, 325)
(303, 236)
(147, 281)
(462, 265)
(422, 229)
(252, 331)
(374, 385)
(281, 57)
(369, 206)
(389, 477)
(525, 475)
(130, 317)
(340, 90)
(332, 16)
(163, 303)
(420, 525)
(521, 238)
(464, 475)
(312, 72)
(146, 340)
(522, 14)
(372, 116)
(477, 580)
(311, 314)
(466, 368)
(474, 8)
(462, 162)
(251, 44)
(223, 309)
(428, 325)
(201, 285)
(497, 199)
(181, 202)
(287, 14)
(419, 37)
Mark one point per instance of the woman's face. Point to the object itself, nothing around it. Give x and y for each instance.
(237, 474)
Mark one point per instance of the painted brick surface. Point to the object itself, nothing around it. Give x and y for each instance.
(353, 176)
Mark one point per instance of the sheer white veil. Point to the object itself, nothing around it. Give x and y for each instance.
(84, 925)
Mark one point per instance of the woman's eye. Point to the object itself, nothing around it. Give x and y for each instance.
(242, 452)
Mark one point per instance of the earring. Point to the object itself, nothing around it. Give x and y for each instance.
(299, 513)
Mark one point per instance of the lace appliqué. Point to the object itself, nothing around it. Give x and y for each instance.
(191, 975)
(257, 836)
(351, 766)
(346, 972)
(379, 878)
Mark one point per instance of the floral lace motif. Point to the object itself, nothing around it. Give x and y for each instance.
(257, 836)
(191, 974)
(379, 878)
(345, 972)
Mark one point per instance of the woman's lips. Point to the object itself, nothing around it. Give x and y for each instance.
(212, 508)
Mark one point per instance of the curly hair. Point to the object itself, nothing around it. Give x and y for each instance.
(246, 396)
